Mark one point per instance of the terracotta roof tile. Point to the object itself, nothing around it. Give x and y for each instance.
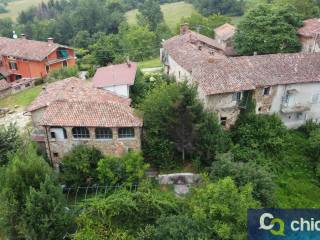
(4, 85)
(120, 74)
(311, 28)
(74, 89)
(90, 114)
(245, 73)
(225, 32)
(27, 49)
(184, 49)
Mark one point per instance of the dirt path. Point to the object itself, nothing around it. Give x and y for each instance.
(18, 117)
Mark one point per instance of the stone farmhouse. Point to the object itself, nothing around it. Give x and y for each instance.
(22, 60)
(309, 35)
(72, 112)
(116, 78)
(224, 35)
(285, 84)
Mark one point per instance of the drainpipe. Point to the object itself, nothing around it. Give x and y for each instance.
(49, 149)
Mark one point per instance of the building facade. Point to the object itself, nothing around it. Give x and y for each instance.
(72, 112)
(22, 60)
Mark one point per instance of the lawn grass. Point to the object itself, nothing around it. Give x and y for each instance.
(17, 6)
(152, 63)
(23, 98)
(173, 12)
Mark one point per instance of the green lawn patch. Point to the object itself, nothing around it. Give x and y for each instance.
(152, 63)
(17, 6)
(23, 98)
(173, 12)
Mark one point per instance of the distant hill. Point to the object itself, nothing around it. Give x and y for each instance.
(172, 12)
(15, 7)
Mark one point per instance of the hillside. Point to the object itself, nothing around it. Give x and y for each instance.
(16, 7)
(172, 12)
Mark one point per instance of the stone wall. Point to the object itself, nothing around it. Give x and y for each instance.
(6, 92)
(58, 148)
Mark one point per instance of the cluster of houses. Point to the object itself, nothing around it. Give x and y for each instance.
(98, 112)
(285, 84)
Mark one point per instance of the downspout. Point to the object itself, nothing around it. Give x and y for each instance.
(49, 149)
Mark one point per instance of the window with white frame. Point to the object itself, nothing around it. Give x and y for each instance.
(80, 132)
(103, 133)
(126, 132)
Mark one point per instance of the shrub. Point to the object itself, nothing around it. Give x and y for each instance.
(79, 167)
(63, 73)
(244, 173)
(9, 142)
(127, 170)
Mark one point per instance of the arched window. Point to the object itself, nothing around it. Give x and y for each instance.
(126, 132)
(103, 133)
(80, 132)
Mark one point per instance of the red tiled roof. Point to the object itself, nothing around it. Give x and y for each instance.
(310, 28)
(245, 73)
(90, 114)
(27, 49)
(185, 51)
(225, 31)
(4, 85)
(120, 74)
(73, 89)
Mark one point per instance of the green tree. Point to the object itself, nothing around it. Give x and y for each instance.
(106, 49)
(6, 27)
(126, 170)
(30, 198)
(79, 167)
(150, 14)
(307, 8)
(82, 39)
(222, 208)
(244, 173)
(267, 30)
(138, 43)
(223, 7)
(10, 141)
(204, 25)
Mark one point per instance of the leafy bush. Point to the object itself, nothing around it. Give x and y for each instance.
(265, 133)
(62, 73)
(122, 214)
(126, 170)
(79, 167)
(10, 141)
(244, 173)
(222, 208)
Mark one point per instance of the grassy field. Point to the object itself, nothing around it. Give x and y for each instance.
(173, 12)
(17, 6)
(23, 98)
(152, 63)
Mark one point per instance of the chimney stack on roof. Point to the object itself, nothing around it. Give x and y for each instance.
(128, 62)
(50, 40)
(23, 36)
(184, 28)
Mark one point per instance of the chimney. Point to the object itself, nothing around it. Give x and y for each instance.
(23, 36)
(211, 59)
(184, 28)
(128, 62)
(50, 40)
(255, 53)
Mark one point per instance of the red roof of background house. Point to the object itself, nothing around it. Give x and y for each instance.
(74, 89)
(245, 73)
(310, 28)
(225, 31)
(120, 74)
(185, 51)
(4, 85)
(90, 114)
(27, 49)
